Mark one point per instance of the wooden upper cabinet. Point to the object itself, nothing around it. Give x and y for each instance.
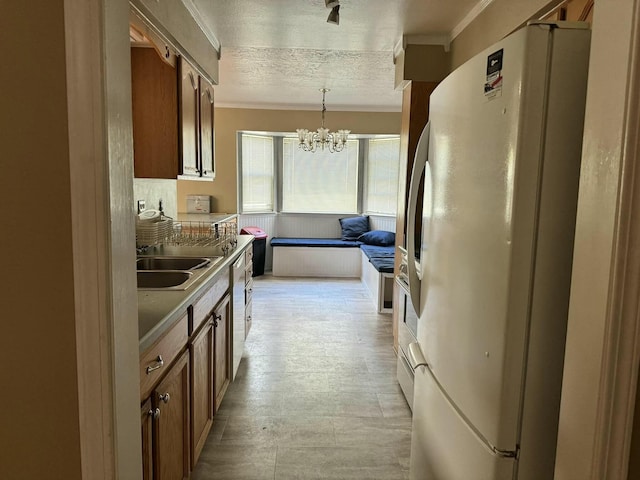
(196, 124)
(207, 142)
(155, 115)
(189, 121)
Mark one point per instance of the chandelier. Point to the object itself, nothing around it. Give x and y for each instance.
(321, 139)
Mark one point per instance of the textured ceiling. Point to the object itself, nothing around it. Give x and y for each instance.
(279, 53)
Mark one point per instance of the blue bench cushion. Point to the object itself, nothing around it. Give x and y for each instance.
(313, 242)
(380, 257)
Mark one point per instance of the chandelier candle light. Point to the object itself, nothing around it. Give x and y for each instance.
(311, 141)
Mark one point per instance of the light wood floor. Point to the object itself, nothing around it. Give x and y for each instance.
(316, 395)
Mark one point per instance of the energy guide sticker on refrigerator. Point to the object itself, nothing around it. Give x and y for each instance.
(501, 158)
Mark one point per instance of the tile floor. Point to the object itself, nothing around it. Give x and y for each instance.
(315, 396)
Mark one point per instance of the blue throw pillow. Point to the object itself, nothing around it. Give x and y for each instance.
(353, 227)
(381, 238)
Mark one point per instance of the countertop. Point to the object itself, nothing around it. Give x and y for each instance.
(158, 310)
(206, 217)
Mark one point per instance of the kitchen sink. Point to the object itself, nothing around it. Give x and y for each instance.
(171, 273)
(172, 263)
(163, 279)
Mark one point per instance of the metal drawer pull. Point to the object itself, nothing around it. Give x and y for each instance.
(165, 397)
(155, 413)
(159, 364)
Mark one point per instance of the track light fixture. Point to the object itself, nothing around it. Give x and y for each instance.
(331, 3)
(334, 16)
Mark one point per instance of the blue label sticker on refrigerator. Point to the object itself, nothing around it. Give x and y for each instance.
(493, 83)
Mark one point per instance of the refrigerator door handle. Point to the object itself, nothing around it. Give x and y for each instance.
(416, 358)
(419, 165)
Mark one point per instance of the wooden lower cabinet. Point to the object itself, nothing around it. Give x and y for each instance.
(171, 427)
(201, 350)
(184, 376)
(146, 420)
(222, 349)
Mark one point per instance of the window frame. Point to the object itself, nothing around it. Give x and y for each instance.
(240, 177)
(361, 192)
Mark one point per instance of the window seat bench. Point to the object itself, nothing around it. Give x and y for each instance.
(315, 257)
(333, 257)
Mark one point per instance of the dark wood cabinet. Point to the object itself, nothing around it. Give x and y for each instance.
(189, 134)
(146, 420)
(154, 95)
(415, 114)
(184, 375)
(202, 373)
(197, 134)
(173, 118)
(207, 133)
(222, 350)
(170, 400)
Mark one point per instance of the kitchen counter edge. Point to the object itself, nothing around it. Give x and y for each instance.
(159, 310)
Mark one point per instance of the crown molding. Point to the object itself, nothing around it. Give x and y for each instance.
(436, 39)
(197, 16)
(469, 17)
(310, 107)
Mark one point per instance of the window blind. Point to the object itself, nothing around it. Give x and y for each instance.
(382, 176)
(320, 182)
(257, 173)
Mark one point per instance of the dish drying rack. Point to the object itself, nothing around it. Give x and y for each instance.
(166, 231)
(150, 234)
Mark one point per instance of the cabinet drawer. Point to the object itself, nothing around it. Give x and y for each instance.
(248, 258)
(167, 347)
(248, 292)
(203, 306)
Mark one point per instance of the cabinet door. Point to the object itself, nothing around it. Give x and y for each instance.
(146, 420)
(154, 96)
(171, 435)
(201, 350)
(247, 319)
(207, 138)
(221, 319)
(189, 99)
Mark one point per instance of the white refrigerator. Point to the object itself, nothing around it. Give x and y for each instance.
(501, 160)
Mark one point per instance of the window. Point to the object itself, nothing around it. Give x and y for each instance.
(275, 175)
(319, 182)
(382, 176)
(257, 164)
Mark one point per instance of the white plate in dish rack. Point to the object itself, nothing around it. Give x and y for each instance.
(149, 216)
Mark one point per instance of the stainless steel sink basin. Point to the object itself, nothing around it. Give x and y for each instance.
(171, 273)
(162, 279)
(171, 263)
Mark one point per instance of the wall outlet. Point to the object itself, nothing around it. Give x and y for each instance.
(141, 206)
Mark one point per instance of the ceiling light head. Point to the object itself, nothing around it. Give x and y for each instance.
(331, 3)
(334, 15)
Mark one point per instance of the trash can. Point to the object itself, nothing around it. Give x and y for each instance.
(259, 248)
